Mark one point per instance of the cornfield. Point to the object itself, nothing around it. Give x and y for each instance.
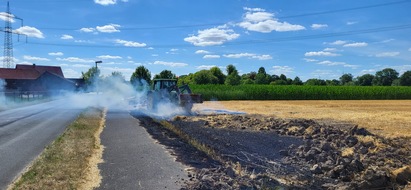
(272, 92)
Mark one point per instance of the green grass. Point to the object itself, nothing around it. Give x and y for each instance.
(292, 92)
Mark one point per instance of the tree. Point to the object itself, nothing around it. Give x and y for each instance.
(297, 81)
(346, 78)
(365, 80)
(165, 74)
(232, 78)
(230, 69)
(315, 82)
(261, 70)
(405, 79)
(205, 77)
(262, 77)
(283, 77)
(333, 82)
(219, 74)
(385, 77)
(91, 77)
(185, 79)
(117, 75)
(140, 74)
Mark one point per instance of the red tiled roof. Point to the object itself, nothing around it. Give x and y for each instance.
(29, 72)
(18, 74)
(52, 69)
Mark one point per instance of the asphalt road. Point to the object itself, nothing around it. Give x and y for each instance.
(133, 160)
(26, 131)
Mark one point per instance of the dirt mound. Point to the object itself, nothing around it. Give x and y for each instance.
(263, 151)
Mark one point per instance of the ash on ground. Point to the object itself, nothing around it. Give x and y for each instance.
(257, 152)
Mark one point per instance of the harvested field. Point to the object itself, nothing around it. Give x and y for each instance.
(307, 148)
(388, 118)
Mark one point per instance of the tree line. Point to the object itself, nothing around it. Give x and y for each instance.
(214, 75)
(142, 76)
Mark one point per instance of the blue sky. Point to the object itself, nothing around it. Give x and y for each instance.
(309, 39)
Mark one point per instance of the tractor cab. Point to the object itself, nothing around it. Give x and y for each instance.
(159, 84)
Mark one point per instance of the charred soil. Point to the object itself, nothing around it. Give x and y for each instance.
(262, 152)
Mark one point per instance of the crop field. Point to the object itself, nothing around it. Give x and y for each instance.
(273, 92)
(389, 118)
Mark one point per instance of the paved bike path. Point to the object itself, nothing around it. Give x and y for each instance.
(132, 159)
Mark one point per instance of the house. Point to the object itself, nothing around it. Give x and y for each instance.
(35, 78)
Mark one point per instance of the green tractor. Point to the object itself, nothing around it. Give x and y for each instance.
(167, 91)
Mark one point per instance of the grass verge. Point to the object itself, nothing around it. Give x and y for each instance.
(70, 162)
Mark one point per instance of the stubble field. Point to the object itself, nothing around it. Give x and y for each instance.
(388, 118)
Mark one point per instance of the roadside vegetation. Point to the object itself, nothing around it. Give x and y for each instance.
(70, 162)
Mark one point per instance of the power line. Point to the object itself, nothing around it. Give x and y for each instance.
(281, 17)
(259, 41)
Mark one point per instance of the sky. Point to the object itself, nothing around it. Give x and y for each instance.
(309, 39)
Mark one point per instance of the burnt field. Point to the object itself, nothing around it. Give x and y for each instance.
(254, 151)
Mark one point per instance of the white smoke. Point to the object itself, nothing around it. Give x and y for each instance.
(2, 94)
(115, 93)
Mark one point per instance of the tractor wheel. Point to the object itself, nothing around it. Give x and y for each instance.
(187, 107)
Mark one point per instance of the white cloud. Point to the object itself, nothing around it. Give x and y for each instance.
(335, 63)
(253, 9)
(331, 63)
(105, 2)
(130, 43)
(30, 31)
(206, 67)
(30, 58)
(321, 53)
(351, 66)
(259, 20)
(409, 49)
(173, 49)
(211, 56)
(212, 36)
(154, 55)
(110, 28)
(66, 37)
(84, 41)
(170, 64)
(356, 44)
(387, 54)
(56, 54)
(338, 42)
(14, 59)
(108, 2)
(351, 22)
(80, 66)
(239, 55)
(325, 74)
(278, 70)
(71, 73)
(4, 16)
(262, 57)
(87, 30)
(310, 60)
(248, 55)
(368, 71)
(206, 52)
(318, 26)
(330, 49)
(109, 57)
(75, 60)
